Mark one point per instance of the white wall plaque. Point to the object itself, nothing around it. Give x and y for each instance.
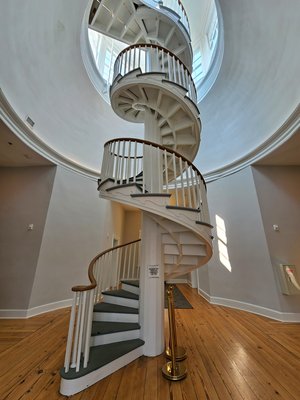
(153, 271)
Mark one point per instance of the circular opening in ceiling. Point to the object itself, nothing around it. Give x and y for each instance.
(204, 20)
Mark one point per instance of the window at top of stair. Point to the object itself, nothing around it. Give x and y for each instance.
(105, 51)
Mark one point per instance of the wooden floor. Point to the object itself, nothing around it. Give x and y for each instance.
(231, 355)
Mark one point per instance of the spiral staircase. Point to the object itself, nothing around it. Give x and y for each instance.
(152, 84)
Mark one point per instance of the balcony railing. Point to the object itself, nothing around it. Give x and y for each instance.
(156, 170)
(152, 58)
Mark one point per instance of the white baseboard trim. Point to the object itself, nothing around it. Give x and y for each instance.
(179, 280)
(31, 312)
(255, 309)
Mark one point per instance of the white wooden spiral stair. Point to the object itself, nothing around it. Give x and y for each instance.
(152, 85)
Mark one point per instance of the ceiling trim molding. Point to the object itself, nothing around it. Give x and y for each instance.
(27, 135)
(285, 132)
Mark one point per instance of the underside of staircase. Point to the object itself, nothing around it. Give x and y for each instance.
(119, 316)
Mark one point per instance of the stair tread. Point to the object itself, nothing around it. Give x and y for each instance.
(102, 355)
(105, 327)
(114, 308)
(134, 283)
(122, 293)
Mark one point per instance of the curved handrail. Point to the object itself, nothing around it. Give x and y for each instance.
(82, 288)
(161, 147)
(183, 17)
(157, 59)
(175, 6)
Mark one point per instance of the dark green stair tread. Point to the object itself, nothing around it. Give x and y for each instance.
(102, 355)
(122, 293)
(114, 308)
(134, 283)
(105, 327)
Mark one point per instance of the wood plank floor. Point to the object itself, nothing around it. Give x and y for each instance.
(231, 355)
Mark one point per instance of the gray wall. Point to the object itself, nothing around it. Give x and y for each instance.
(278, 191)
(25, 195)
(251, 279)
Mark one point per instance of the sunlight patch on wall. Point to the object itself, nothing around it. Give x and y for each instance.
(222, 243)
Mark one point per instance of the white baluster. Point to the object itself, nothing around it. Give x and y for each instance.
(182, 183)
(118, 262)
(134, 162)
(70, 333)
(194, 189)
(188, 185)
(76, 336)
(160, 176)
(139, 57)
(134, 58)
(175, 176)
(122, 163)
(81, 315)
(130, 262)
(88, 328)
(199, 194)
(166, 170)
(125, 63)
(125, 275)
(113, 160)
(128, 159)
(169, 67)
(174, 70)
(179, 72)
(117, 162)
(186, 79)
(134, 260)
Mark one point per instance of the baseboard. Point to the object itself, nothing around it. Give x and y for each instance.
(255, 309)
(179, 280)
(31, 312)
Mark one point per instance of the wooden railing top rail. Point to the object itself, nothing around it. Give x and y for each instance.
(161, 147)
(161, 48)
(93, 284)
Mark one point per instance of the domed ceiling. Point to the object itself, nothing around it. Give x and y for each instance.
(253, 103)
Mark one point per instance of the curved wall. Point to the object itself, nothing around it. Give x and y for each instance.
(43, 76)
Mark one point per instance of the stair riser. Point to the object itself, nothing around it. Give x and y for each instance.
(115, 317)
(121, 301)
(130, 288)
(115, 337)
(69, 387)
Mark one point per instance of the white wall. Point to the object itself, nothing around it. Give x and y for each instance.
(25, 195)
(251, 279)
(76, 230)
(278, 191)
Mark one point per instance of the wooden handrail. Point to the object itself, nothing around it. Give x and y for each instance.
(161, 147)
(82, 288)
(156, 46)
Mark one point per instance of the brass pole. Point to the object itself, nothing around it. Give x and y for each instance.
(180, 352)
(172, 370)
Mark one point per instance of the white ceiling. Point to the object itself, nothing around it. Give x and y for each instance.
(43, 76)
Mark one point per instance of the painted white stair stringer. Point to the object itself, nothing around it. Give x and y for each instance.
(182, 262)
(69, 387)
